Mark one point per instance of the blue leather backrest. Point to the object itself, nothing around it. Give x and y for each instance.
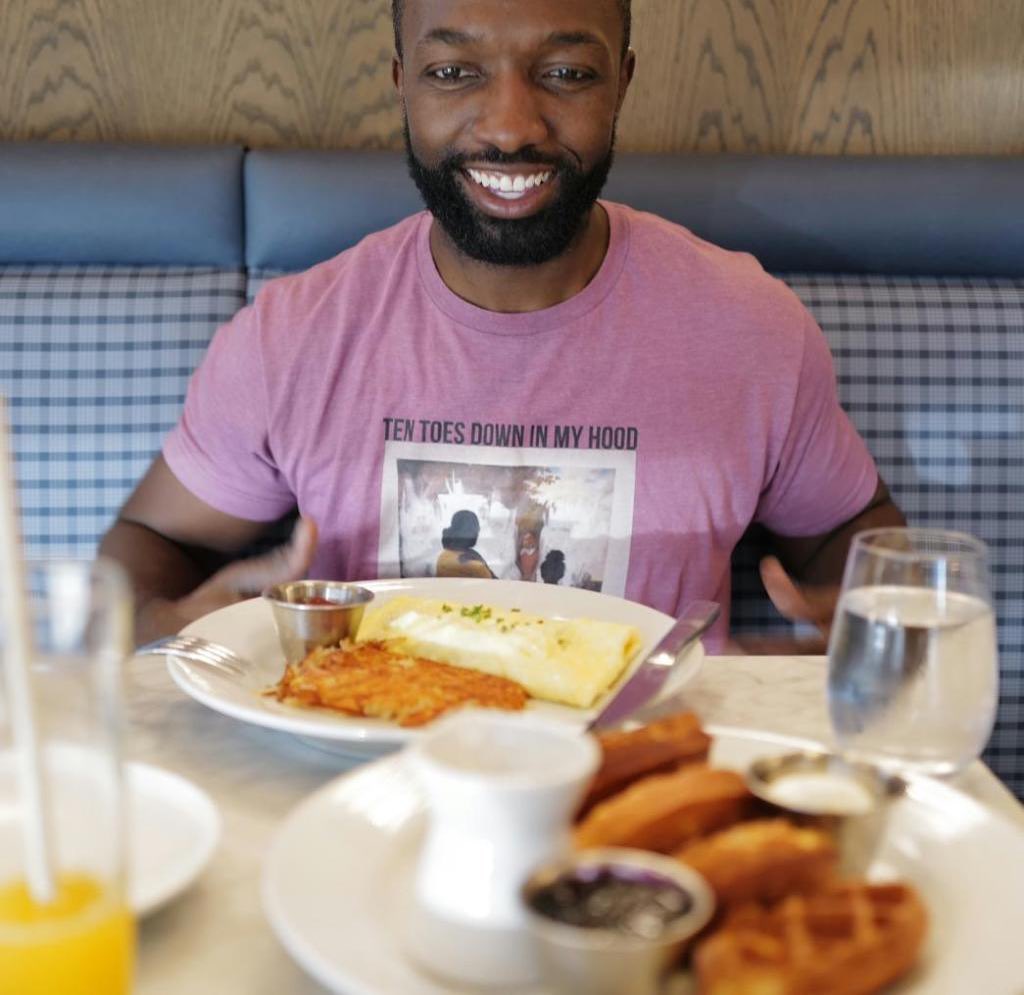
(886, 215)
(120, 204)
(305, 206)
(907, 215)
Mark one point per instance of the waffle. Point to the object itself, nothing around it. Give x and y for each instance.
(663, 811)
(762, 860)
(656, 747)
(851, 939)
(371, 680)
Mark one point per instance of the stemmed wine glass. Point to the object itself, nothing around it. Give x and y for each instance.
(913, 668)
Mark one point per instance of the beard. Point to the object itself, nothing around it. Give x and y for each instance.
(509, 242)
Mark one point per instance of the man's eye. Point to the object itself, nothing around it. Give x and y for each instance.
(567, 74)
(450, 74)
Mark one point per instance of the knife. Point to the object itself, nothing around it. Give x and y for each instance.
(649, 678)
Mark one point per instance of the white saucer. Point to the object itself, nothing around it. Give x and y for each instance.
(173, 827)
(173, 830)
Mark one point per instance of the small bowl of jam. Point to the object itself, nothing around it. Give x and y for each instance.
(613, 921)
(314, 613)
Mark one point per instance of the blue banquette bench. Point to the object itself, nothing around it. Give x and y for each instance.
(117, 263)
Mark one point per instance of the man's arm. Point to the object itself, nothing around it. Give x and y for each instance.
(804, 575)
(173, 547)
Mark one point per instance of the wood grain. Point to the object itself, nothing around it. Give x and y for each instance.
(816, 76)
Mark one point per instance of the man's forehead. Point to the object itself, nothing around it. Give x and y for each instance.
(455, 21)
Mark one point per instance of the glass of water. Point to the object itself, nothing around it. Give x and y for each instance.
(913, 666)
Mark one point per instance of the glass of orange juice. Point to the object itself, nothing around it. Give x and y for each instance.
(80, 939)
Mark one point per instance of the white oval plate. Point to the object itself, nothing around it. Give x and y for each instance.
(337, 881)
(248, 628)
(173, 827)
(173, 830)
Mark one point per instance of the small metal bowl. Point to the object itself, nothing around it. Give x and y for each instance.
(314, 613)
(601, 960)
(849, 800)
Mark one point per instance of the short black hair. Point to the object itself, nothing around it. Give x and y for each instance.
(625, 8)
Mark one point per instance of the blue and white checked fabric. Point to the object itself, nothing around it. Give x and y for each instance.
(258, 279)
(95, 362)
(931, 370)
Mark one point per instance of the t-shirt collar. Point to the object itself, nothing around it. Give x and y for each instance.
(529, 322)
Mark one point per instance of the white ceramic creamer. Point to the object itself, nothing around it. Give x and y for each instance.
(501, 791)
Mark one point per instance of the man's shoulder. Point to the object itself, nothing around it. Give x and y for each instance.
(658, 238)
(361, 265)
(674, 257)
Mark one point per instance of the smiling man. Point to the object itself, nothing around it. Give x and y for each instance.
(510, 114)
(520, 350)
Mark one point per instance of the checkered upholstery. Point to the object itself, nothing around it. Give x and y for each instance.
(258, 278)
(95, 361)
(931, 370)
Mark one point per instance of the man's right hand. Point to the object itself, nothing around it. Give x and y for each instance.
(172, 545)
(237, 581)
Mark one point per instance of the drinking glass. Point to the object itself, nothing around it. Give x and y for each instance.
(913, 670)
(82, 942)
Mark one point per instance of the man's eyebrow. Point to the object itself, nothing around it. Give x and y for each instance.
(573, 38)
(448, 36)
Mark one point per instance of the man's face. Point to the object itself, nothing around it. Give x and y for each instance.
(510, 109)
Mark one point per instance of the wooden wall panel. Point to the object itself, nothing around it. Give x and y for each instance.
(709, 76)
(820, 76)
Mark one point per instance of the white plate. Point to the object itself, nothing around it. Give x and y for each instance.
(248, 628)
(337, 881)
(173, 831)
(173, 827)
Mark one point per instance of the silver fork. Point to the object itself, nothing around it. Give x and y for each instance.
(198, 650)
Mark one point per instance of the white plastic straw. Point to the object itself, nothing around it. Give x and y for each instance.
(38, 846)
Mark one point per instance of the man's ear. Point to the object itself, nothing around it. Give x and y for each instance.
(398, 75)
(626, 76)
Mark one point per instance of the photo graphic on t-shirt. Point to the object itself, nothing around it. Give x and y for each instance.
(542, 515)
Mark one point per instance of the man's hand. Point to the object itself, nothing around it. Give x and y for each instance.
(798, 603)
(817, 563)
(235, 582)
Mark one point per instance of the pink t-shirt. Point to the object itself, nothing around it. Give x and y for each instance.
(622, 440)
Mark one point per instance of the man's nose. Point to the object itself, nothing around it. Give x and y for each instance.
(511, 114)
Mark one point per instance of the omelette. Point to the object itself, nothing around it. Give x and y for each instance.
(571, 661)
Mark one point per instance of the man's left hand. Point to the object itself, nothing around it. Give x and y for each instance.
(796, 602)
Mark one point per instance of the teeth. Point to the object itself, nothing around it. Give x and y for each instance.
(508, 187)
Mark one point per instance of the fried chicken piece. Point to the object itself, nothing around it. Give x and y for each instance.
(664, 811)
(852, 939)
(762, 860)
(368, 679)
(659, 746)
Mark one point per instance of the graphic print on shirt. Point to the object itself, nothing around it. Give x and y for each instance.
(556, 516)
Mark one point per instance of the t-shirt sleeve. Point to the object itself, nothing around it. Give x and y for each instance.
(220, 448)
(824, 475)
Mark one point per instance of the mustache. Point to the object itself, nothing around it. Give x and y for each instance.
(524, 156)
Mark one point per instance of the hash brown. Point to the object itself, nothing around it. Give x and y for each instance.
(371, 680)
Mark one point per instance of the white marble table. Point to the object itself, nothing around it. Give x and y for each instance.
(215, 937)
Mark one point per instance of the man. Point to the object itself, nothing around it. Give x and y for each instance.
(695, 393)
